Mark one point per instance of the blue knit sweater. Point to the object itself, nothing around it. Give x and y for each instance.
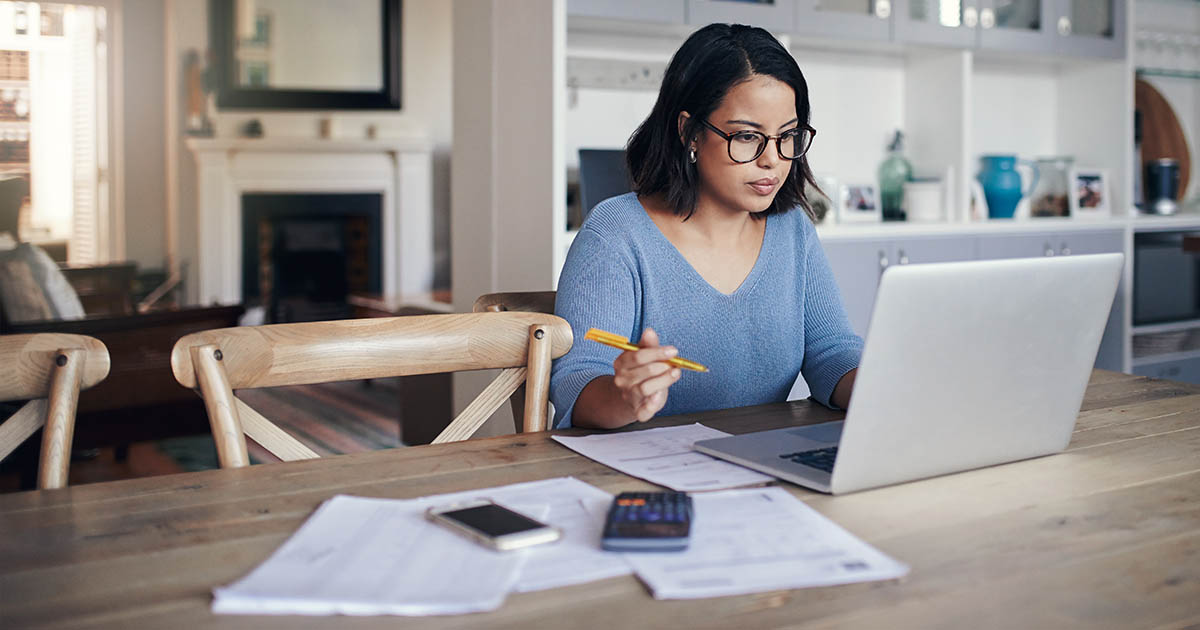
(622, 275)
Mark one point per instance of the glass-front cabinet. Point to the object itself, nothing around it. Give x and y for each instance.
(1017, 25)
(1092, 28)
(858, 19)
(659, 11)
(774, 15)
(940, 22)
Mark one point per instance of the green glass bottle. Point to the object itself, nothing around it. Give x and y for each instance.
(893, 172)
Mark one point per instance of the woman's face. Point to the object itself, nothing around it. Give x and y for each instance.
(761, 103)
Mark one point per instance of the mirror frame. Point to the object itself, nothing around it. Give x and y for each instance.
(222, 31)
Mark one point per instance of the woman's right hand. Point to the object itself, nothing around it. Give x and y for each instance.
(643, 376)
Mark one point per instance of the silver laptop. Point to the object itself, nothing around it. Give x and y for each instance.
(966, 365)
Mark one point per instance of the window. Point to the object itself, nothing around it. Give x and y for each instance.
(54, 122)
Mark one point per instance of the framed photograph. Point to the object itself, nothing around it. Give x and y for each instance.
(824, 202)
(859, 204)
(1089, 196)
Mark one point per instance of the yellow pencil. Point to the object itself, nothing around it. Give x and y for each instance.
(622, 343)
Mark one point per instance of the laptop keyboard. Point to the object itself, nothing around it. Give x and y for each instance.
(821, 459)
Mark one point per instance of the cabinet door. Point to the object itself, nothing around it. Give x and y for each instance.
(857, 266)
(940, 22)
(853, 19)
(1016, 246)
(1185, 370)
(1091, 28)
(1112, 347)
(933, 250)
(658, 11)
(1017, 25)
(773, 15)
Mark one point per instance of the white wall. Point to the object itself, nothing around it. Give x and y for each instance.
(426, 75)
(144, 103)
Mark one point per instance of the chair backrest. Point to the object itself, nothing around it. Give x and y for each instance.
(525, 301)
(48, 370)
(219, 361)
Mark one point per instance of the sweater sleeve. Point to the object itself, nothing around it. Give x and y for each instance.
(597, 289)
(831, 349)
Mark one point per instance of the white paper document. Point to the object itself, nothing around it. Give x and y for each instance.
(664, 456)
(361, 556)
(760, 539)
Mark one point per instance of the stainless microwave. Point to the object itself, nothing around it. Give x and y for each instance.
(1166, 278)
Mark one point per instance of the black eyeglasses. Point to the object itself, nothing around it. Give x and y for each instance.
(747, 145)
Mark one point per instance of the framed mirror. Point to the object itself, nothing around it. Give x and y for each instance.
(306, 54)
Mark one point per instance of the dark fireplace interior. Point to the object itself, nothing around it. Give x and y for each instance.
(304, 253)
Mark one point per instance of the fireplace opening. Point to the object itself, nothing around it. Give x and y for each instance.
(303, 254)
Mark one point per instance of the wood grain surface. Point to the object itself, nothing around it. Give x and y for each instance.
(306, 353)
(1162, 135)
(1105, 535)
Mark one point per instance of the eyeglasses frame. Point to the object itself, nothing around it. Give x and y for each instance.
(762, 147)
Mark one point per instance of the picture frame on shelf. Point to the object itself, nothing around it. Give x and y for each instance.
(824, 202)
(978, 208)
(1089, 194)
(859, 203)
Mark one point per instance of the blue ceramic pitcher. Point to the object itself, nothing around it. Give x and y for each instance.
(1002, 184)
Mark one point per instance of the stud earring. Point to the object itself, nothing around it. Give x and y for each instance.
(692, 155)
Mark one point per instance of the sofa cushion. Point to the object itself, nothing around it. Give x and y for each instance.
(56, 292)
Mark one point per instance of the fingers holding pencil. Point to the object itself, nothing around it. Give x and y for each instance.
(643, 375)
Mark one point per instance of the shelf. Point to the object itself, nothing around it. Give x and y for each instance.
(1150, 329)
(891, 229)
(1166, 358)
(1164, 72)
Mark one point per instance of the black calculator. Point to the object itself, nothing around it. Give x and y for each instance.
(648, 521)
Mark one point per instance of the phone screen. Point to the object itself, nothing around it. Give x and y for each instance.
(492, 520)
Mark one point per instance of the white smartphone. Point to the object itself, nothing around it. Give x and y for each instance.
(493, 525)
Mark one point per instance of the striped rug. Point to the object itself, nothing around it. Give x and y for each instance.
(329, 418)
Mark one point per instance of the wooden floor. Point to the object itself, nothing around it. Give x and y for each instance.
(351, 417)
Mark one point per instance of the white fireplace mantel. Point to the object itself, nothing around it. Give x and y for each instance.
(399, 169)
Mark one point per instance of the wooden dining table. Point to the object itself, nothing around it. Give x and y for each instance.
(1104, 535)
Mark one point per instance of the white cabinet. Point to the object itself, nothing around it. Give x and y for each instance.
(658, 11)
(863, 20)
(858, 266)
(773, 15)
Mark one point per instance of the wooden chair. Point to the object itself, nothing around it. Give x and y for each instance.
(523, 301)
(49, 370)
(220, 361)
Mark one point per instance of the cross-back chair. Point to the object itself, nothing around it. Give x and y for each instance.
(523, 301)
(48, 370)
(217, 362)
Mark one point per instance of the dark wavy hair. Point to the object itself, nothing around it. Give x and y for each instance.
(703, 70)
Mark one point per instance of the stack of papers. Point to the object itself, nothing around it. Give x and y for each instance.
(360, 556)
(664, 456)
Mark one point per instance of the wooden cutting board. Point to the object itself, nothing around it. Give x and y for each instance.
(1162, 136)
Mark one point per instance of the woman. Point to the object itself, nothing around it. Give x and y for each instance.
(709, 253)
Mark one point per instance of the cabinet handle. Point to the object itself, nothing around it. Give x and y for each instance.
(987, 18)
(1064, 250)
(1064, 26)
(883, 9)
(1049, 250)
(903, 258)
(883, 261)
(970, 17)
